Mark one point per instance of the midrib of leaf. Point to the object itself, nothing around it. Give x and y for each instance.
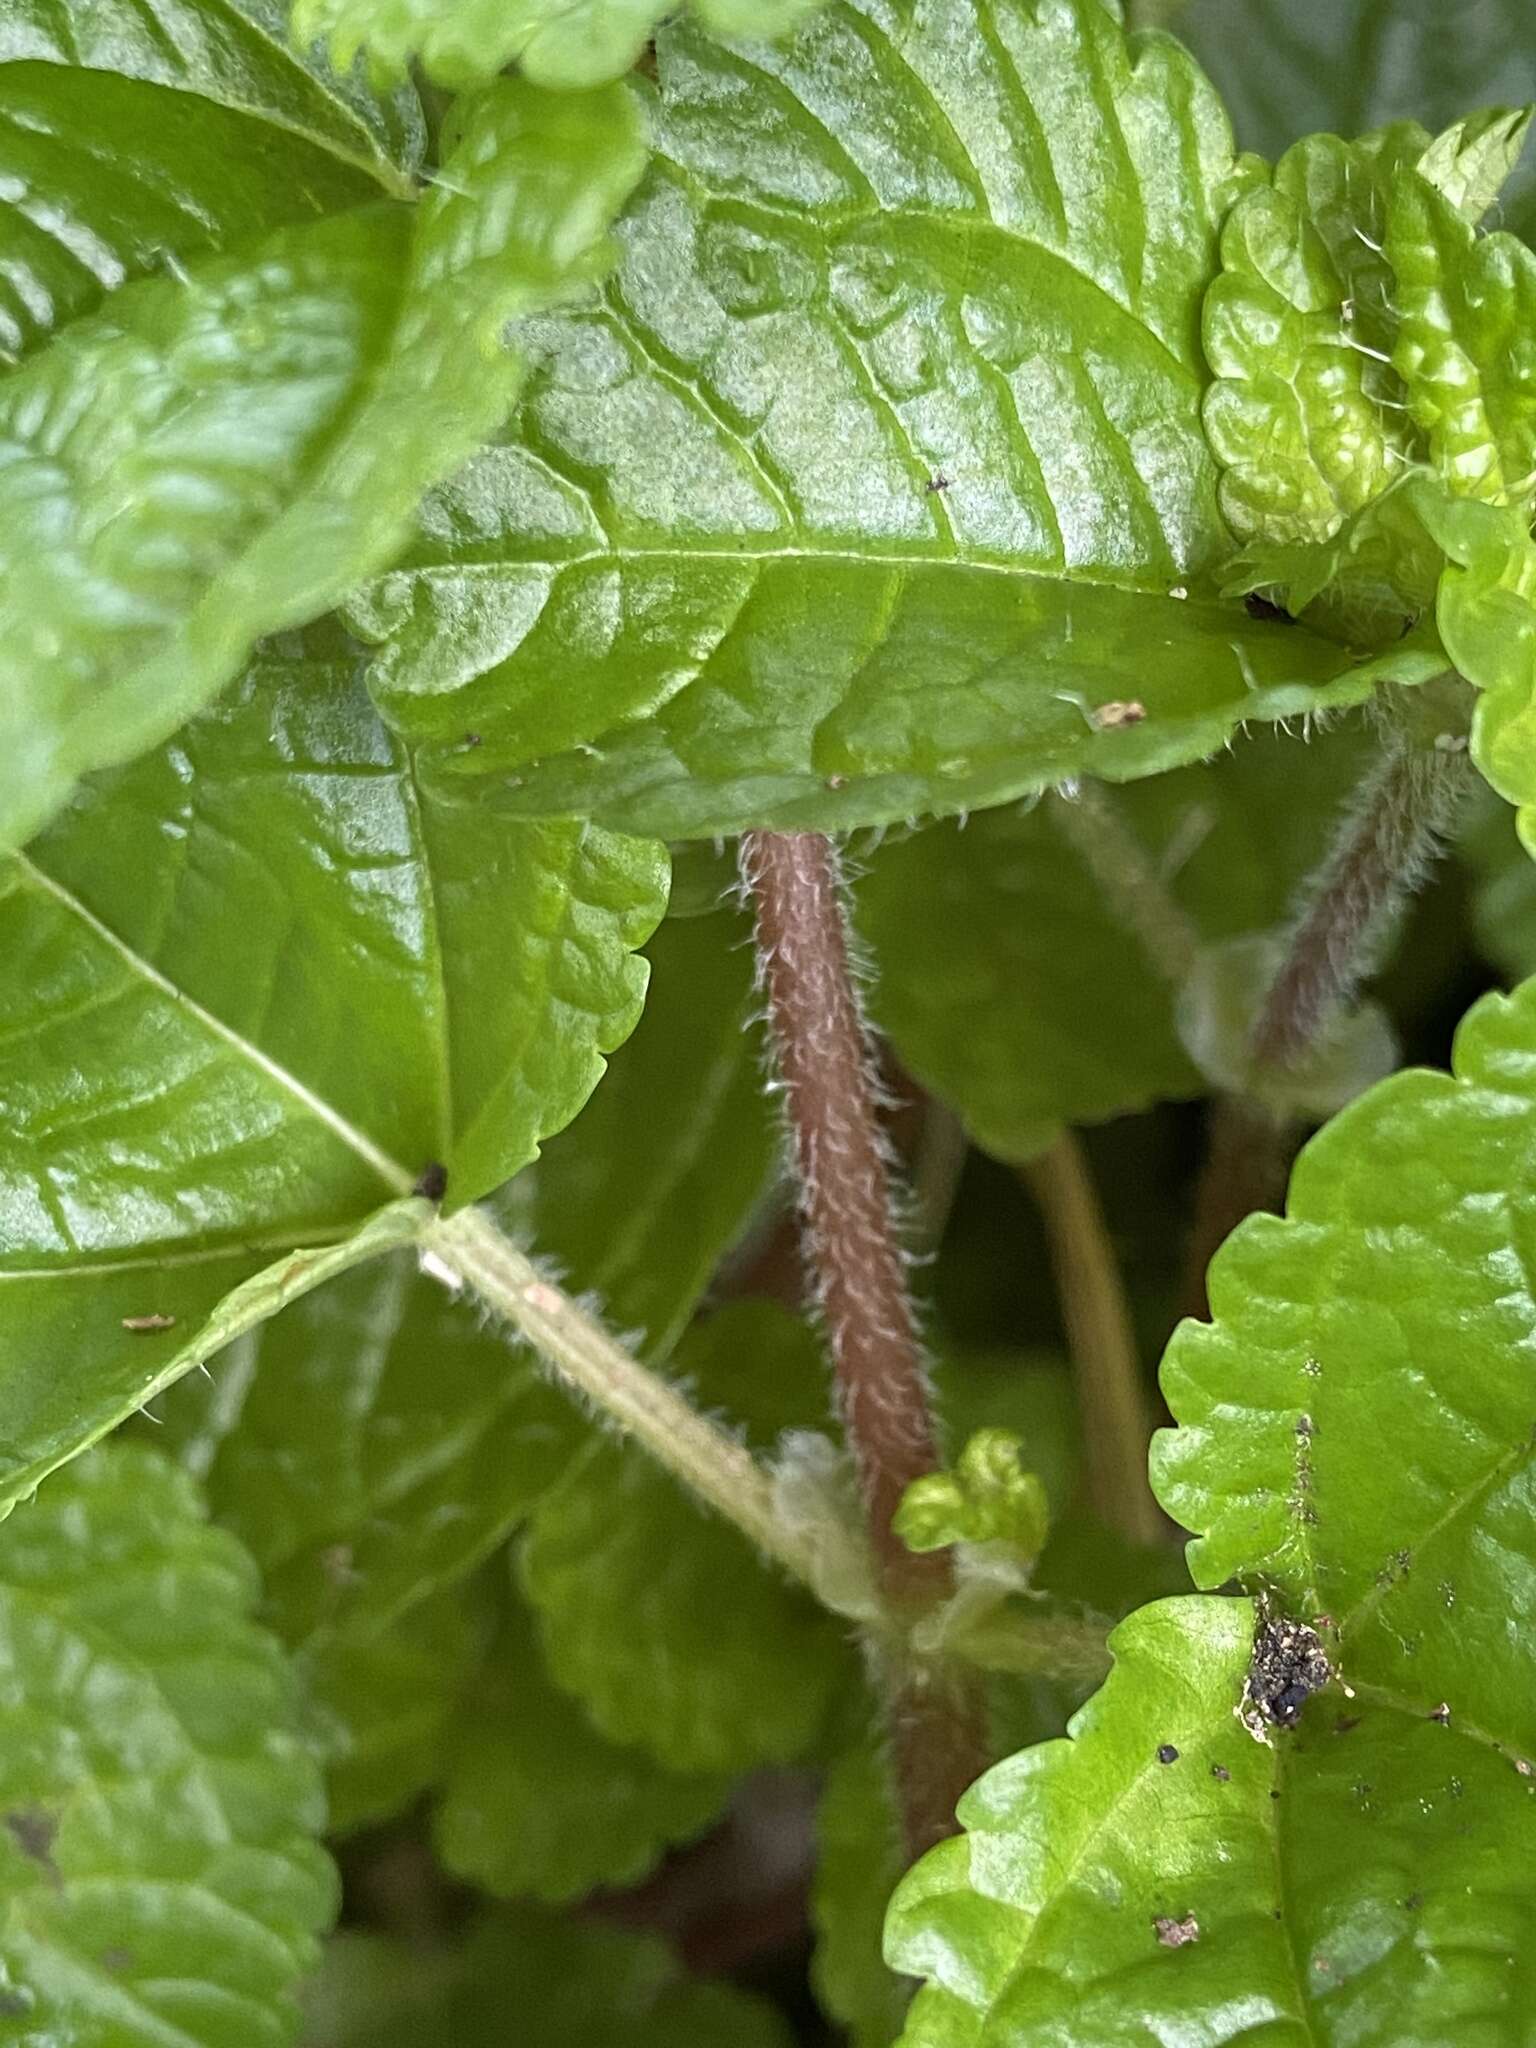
(202, 1255)
(1282, 1889)
(1392, 1701)
(397, 1180)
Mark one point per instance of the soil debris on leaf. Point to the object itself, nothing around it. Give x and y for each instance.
(1289, 1665)
(1166, 1753)
(1173, 1933)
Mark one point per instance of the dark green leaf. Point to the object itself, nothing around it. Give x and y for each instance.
(257, 983)
(662, 1619)
(158, 1866)
(536, 1804)
(224, 453)
(1028, 992)
(879, 472)
(856, 1872)
(560, 1983)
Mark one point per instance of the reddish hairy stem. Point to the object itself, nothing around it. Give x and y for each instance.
(854, 1259)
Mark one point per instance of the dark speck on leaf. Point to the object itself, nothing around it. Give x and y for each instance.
(1167, 1754)
(14, 2002)
(938, 482)
(433, 1184)
(1221, 1774)
(1442, 1713)
(471, 739)
(1413, 1902)
(1259, 607)
(1345, 1722)
(34, 1832)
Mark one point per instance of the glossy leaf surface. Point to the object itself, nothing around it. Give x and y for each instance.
(1387, 1305)
(465, 42)
(224, 452)
(159, 1868)
(879, 471)
(662, 1619)
(1161, 1875)
(258, 984)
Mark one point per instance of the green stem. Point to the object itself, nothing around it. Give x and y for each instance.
(1112, 1393)
(712, 1464)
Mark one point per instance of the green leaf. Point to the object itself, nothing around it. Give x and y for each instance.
(989, 1497)
(663, 1620)
(879, 471)
(1021, 988)
(371, 1446)
(1387, 1307)
(1288, 68)
(856, 1872)
(464, 42)
(149, 534)
(160, 1876)
(1466, 345)
(655, 1181)
(537, 1804)
(257, 982)
(566, 1982)
(1503, 906)
(384, 1704)
(1364, 1879)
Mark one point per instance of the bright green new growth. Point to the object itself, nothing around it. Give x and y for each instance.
(463, 43)
(988, 1498)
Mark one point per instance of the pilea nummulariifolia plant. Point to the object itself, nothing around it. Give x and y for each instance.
(735, 753)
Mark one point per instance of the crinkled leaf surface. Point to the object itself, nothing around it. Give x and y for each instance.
(1013, 982)
(224, 452)
(159, 1875)
(1364, 1879)
(256, 983)
(566, 1981)
(465, 42)
(536, 1803)
(662, 1619)
(1388, 1306)
(866, 486)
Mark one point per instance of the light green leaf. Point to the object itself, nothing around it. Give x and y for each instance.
(989, 1497)
(1287, 68)
(1388, 1306)
(856, 1872)
(158, 1868)
(1020, 987)
(566, 1982)
(641, 1198)
(148, 535)
(256, 984)
(383, 1705)
(662, 1619)
(879, 471)
(1306, 415)
(1358, 1882)
(465, 42)
(1466, 344)
(537, 1804)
